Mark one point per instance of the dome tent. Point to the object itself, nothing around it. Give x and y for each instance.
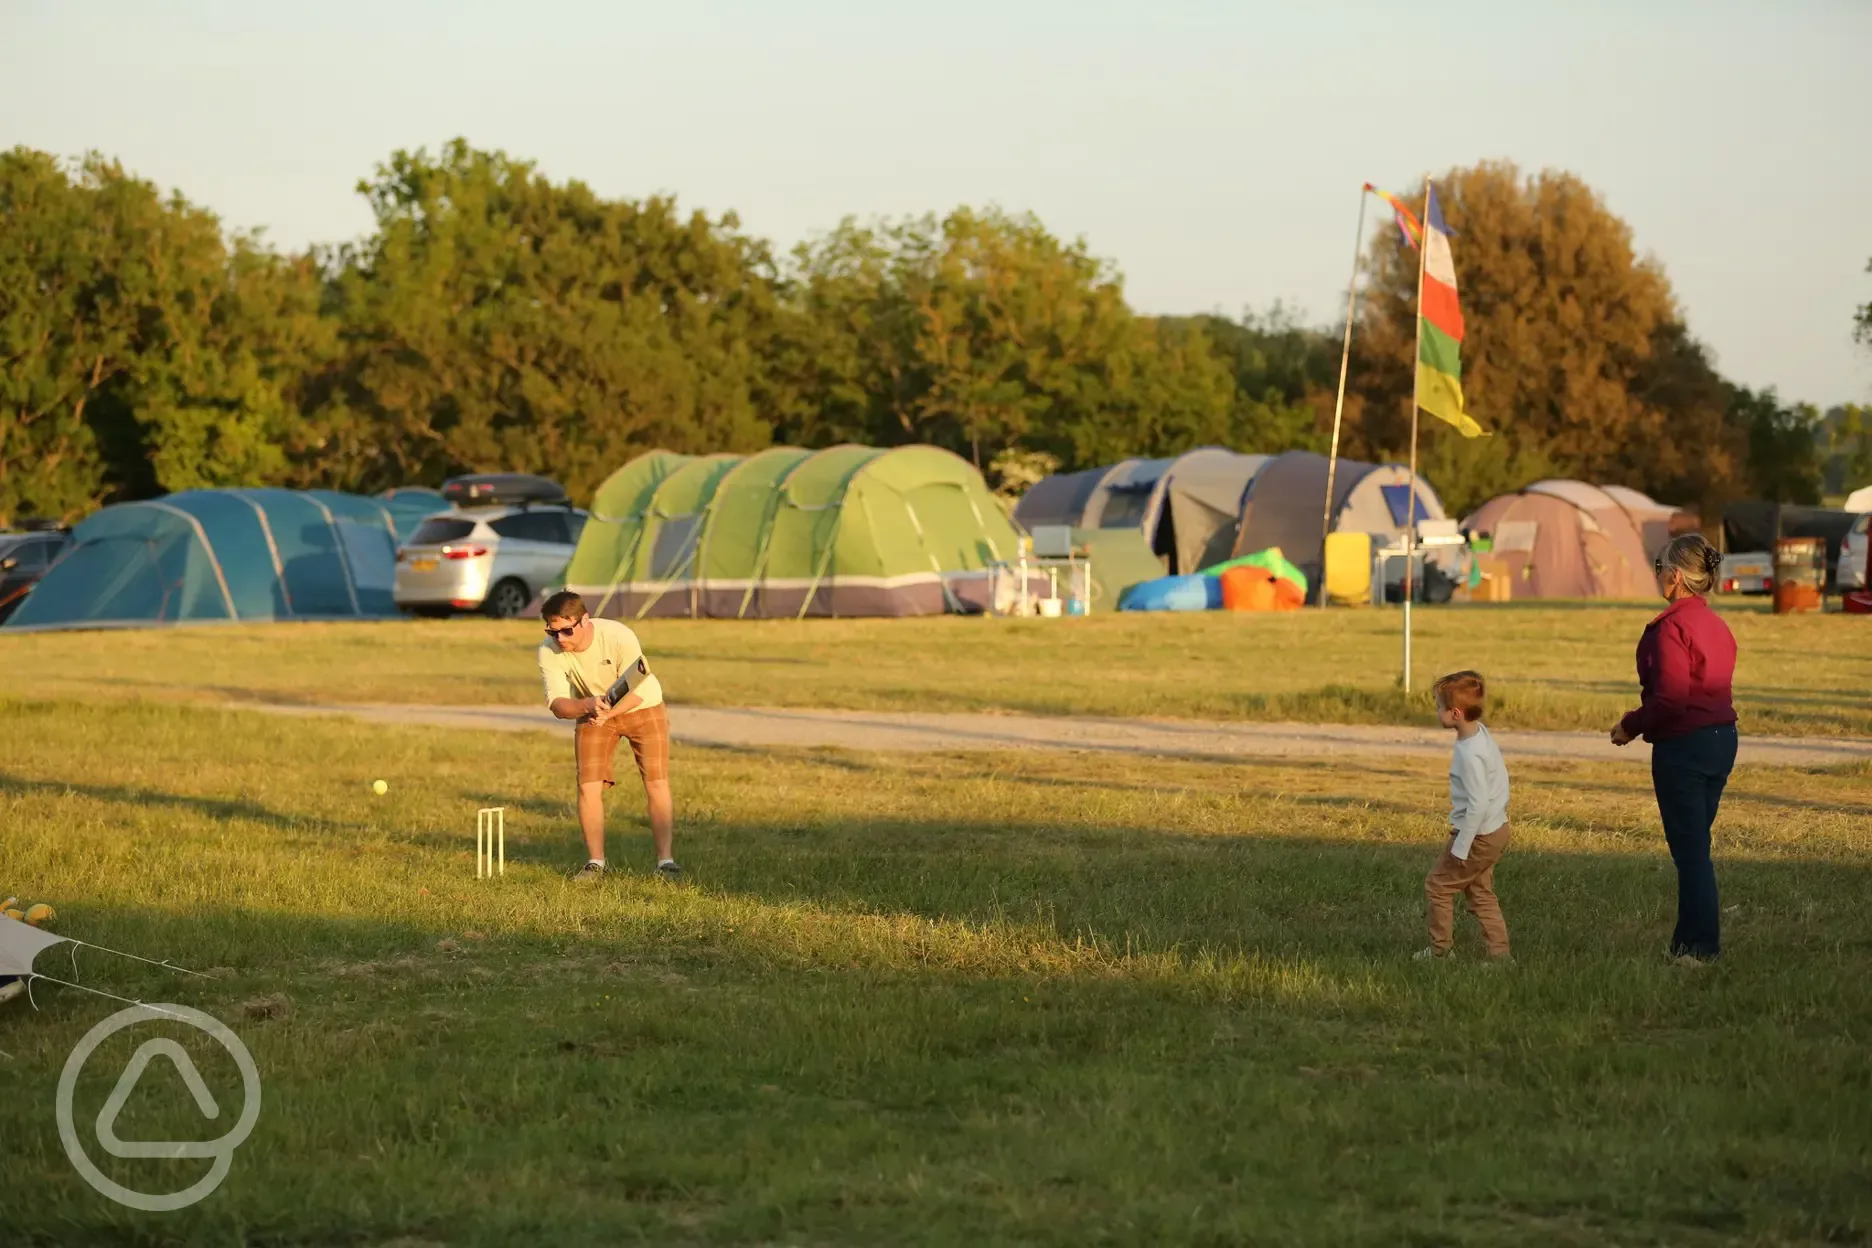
(226, 555)
(1186, 506)
(1284, 508)
(845, 531)
(1565, 539)
(1656, 522)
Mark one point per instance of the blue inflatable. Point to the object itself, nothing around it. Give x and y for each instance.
(1174, 593)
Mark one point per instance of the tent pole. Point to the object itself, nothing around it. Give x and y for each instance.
(1410, 528)
(1345, 359)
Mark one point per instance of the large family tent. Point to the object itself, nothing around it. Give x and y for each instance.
(1656, 522)
(1186, 506)
(1565, 539)
(846, 531)
(226, 555)
(1287, 502)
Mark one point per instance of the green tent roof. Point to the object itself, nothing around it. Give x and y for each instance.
(849, 530)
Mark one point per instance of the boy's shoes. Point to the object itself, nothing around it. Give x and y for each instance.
(1431, 955)
(1689, 961)
(668, 871)
(590, 873)
(1499, 962)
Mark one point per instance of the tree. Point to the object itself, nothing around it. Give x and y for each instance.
(1849, 447)
(1574, 347)
(144, 352)
(1862, 321)
(1784, 450)
(1286, 375)
(497, 320)
(983, 333)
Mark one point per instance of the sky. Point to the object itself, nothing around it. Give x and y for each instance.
(1213, 151)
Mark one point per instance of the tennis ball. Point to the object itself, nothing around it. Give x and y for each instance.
(379, 787)
(40, 914)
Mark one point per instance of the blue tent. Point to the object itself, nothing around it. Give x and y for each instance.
(227, 555)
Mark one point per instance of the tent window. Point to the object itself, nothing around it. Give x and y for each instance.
(675, 547)
(1398, 499)
(1124, 509)
(1516, 535)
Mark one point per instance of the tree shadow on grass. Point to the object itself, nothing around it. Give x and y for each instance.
(220, 809)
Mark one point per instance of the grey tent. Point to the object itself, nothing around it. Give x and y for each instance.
(1062, 498)
(1285, 501)
(1186, 507)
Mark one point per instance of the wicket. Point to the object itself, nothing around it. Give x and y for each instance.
(490, 839)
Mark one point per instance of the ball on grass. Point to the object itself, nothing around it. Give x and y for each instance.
(379, 787)
(40, 914)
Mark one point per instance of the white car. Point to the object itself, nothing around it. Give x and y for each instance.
(1853, 552)
(1749, 572)
(490, 558)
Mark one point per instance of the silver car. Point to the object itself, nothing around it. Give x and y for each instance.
(488, 559)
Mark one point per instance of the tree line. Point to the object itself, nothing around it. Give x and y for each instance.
(494, 319)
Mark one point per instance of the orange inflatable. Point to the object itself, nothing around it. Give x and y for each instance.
(1248, 588)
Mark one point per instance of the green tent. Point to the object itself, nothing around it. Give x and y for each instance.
(847, 531)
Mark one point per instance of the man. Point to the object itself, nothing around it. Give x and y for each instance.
(580, 660)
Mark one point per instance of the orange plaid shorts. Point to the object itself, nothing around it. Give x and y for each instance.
(595, 744)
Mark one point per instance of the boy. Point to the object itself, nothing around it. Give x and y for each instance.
(1478, 782)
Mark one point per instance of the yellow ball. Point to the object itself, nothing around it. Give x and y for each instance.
(379, 787)
(14, 914)
(40, 913)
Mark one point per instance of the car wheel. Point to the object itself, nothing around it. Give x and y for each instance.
(506, 600)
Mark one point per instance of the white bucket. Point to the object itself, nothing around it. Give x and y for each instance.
(1050, 608)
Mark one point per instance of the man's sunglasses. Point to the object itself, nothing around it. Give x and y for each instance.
(563, 633)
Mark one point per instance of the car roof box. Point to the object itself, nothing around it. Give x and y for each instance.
(501, 489)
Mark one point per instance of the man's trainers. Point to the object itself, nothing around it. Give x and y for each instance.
(590, 873)
(669, 871)
(1431, 955)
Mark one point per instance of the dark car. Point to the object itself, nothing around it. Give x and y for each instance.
(24, 558)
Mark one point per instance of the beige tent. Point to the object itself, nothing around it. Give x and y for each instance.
(1564, 539)
(1656, 522)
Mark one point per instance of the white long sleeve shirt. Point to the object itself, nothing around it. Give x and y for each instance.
(1478, 790)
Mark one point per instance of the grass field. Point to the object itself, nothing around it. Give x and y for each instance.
(1557, 667)
(922, 999)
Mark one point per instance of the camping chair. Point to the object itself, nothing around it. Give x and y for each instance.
(1348, 568)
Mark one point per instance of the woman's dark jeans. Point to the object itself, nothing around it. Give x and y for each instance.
(1689, 773)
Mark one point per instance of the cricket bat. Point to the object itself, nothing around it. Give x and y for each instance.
(626, 684)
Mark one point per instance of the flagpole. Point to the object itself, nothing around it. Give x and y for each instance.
(1338, 409)
(1410, 529)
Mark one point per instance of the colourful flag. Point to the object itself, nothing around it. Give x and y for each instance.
(1440, 331)
(1407, 223)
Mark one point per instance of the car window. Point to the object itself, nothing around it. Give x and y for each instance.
(33, 554)
(533, 526)
(1863, 524)
(439, 529)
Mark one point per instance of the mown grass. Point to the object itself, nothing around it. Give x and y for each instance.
(1551, 667)
(934, 999)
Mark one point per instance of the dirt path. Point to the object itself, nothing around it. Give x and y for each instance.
(893, 730)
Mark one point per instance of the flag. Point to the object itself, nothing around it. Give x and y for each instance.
(1407, 223)
(1440, 330)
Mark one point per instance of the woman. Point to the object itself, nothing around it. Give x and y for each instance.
(1686, 670)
